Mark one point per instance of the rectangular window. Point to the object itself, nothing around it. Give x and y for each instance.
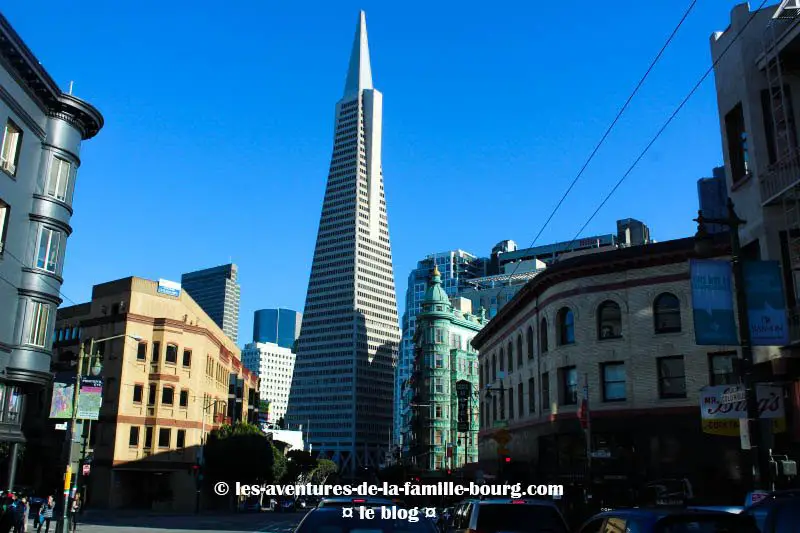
(148, 437)
(546, 391)
(181, 439)
(737, 144)
(520, 400)
(167, 395)
(531, 395)
(455, 341)
(57, 185)
(184, 399)
(156, 351)
(569, 385)
(437, 411)
(141, 351)
(138, 393)
(511, 403)
(722, 368)
(172, 354)
(438, 360)
(151, 394)
(9, 152)
(671, 377)
(5, 215)
(40, 315)
(133, 440)
(438, 385)
(187, 358)
(438, 336)
(164, 437)
(49, 243)
(613, 382)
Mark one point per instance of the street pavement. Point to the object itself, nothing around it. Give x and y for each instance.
(264, 522)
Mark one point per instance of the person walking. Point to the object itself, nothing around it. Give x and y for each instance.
(74, 509)
(24, 512)
(10, 511)
(46, 514)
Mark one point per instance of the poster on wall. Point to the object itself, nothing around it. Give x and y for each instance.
(712, 303)
(766, 306)
(721, 417)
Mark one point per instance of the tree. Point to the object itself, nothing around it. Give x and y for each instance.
(300, 465)
(325, 468)
(279, 466)
(239, 453)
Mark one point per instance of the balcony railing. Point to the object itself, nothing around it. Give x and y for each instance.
(780, 177)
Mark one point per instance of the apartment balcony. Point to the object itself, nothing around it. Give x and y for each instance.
(779, 178)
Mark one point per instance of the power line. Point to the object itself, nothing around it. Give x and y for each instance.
(42, 278)
(611, 126)
(669, 121)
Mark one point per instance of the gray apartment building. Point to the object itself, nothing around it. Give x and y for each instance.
(42, 131)
(217, 291)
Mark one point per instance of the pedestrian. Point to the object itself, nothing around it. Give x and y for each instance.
(9, 519)
(22, 517)
(46, 514)
(74, 509)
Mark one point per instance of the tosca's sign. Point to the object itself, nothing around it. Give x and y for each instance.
(722, 418)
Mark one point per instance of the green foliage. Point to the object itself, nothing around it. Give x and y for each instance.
(279, 464)
(239, 453)
(325, 468)
(300, 464)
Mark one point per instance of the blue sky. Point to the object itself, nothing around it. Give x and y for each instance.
(219, 127)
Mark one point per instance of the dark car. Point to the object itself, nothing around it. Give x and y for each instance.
(286, 505)
(330, 519)
(666, 520)
(779, 512)
(509, 516)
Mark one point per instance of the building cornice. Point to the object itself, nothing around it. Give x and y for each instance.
(587, 266)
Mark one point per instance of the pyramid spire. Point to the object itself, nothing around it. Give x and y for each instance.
(359, 75)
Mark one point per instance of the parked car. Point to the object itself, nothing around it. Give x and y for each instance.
(356, 502)
(331, 519)
(502, 515)
(286, 505)
(668, 520)
(778, 512)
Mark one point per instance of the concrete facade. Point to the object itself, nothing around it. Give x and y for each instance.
(42, 131)
(343, 384)
(158, 392)
(619, 330)
(274, 366)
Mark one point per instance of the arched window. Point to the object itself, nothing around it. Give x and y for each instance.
(494, 367)
(519, 350)
(502, 360)
(510, 357)
(543, 336)
(609, 320)
(565, 325)
(667, 313)
(530, 342)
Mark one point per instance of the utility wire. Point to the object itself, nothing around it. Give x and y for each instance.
(669, 120)
(610, 127)
(42, 278)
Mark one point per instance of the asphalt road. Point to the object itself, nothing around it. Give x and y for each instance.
(265, 522)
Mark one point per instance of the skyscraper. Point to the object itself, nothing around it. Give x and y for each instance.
(712, 194)
(278, 326)
(216, 290)
(342, 390)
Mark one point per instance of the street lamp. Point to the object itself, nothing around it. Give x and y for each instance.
(704, 247)
(74, 418)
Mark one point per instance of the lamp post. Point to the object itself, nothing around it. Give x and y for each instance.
(502, 389)
(74, 419)
(212, 402)
(704, 247)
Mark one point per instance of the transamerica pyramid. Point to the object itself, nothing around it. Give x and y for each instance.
(343, 384)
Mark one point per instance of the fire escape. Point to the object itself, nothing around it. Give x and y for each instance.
(780, 183)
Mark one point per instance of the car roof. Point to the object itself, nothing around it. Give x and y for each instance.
(660, 512)
(773, 497)
(519, 501)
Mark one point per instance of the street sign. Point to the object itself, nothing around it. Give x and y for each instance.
(734, 396)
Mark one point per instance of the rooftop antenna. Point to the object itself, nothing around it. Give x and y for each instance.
(70, 87)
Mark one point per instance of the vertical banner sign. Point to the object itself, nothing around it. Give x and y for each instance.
(63, 392)
(766, 306)
(712, 303)
(90, 398)
(463, 393)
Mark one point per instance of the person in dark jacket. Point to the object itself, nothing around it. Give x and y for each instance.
(9, 519)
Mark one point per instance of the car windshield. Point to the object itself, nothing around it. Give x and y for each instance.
(509, 517)
(708, 524)
(333, 522)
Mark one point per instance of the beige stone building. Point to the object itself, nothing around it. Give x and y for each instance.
(160, 393)
(621, 322)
